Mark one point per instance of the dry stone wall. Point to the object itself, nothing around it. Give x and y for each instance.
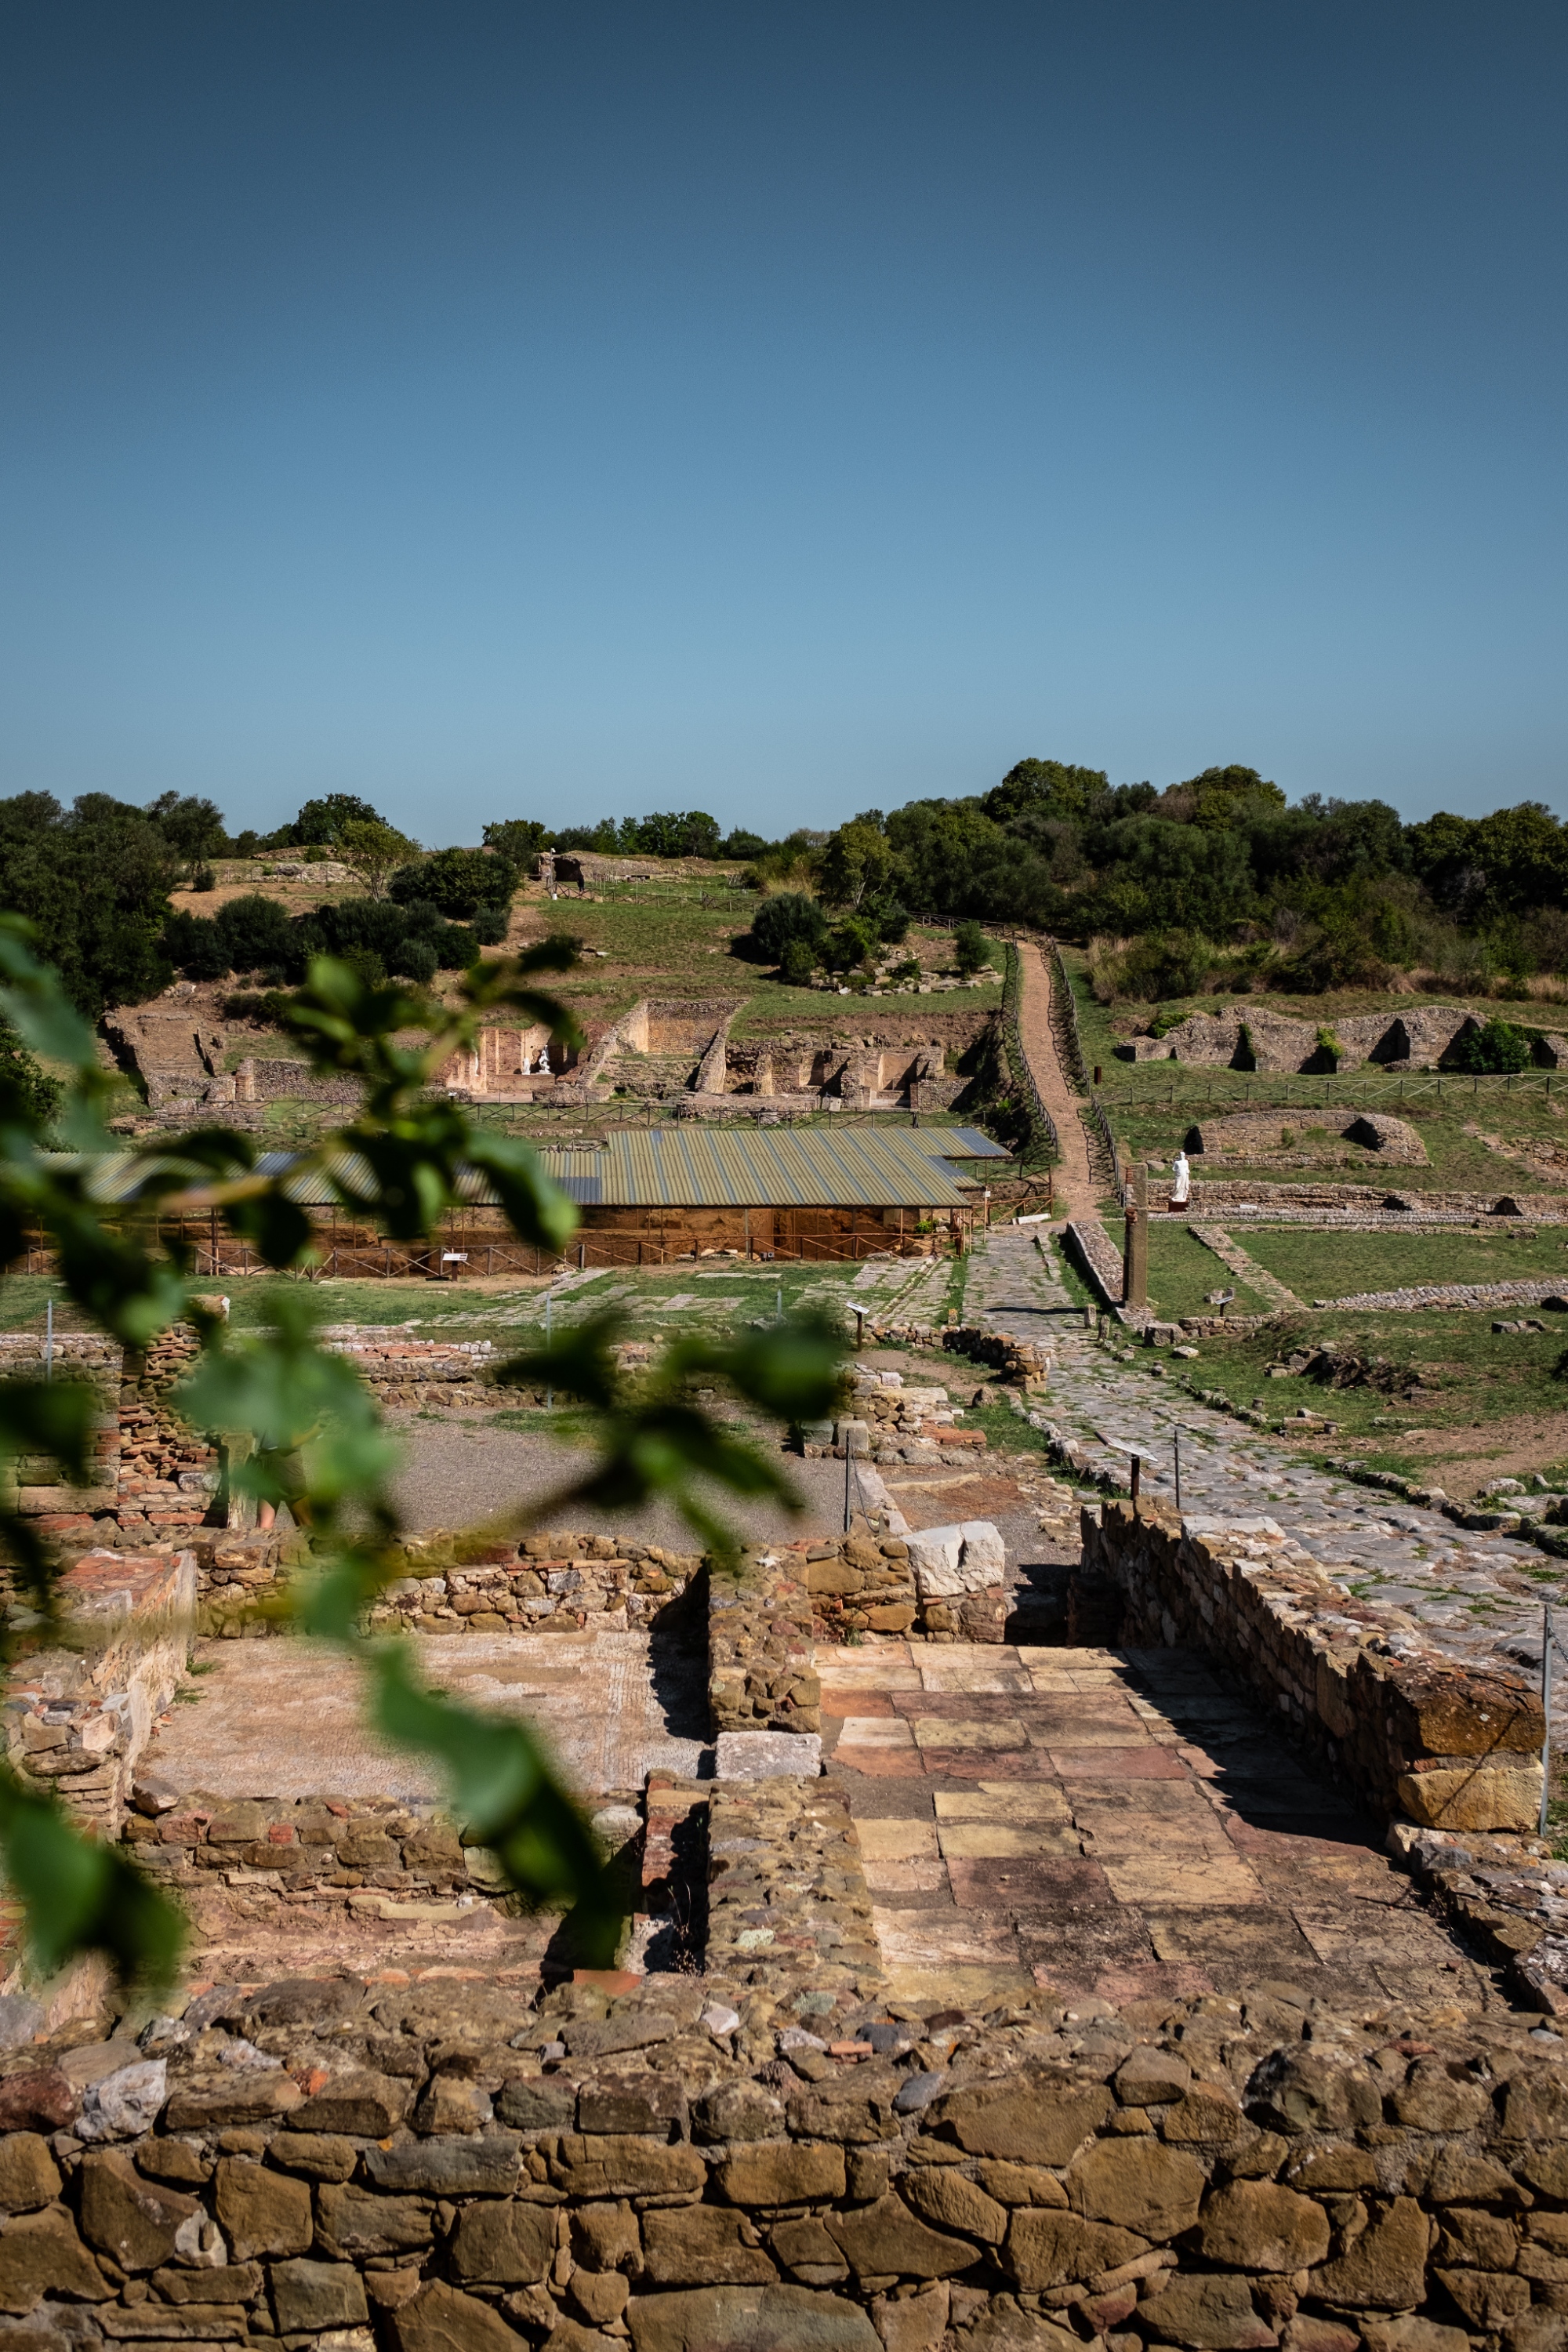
(688, 2164)
(1412, 1734)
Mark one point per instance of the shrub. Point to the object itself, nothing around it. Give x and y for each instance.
(787, 914)
(797, 964)
(26, 1092)
(489, 926)
(415, 960)
(254, 934)
(265, 1010)
(457, 881)
(192, 944)
(1498, 1046)
(970, 948)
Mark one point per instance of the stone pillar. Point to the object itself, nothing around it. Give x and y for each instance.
(1135, 1257)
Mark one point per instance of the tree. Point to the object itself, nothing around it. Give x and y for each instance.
(193, 828)
(317, 1444)
(1047, 788)
(319, 824)
(28, 1096)
(374, 851)
(518, 839)
(858, 861)
(94, 882)
(1497, 1046)
(457, 881)
(1222, 797)
(693, 835)
(254, 934)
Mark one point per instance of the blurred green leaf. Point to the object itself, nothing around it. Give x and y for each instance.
(82, 1895)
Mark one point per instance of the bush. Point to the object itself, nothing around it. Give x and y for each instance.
(457, 881)
(265, 1010)
(907, 971)
(970, 948)
(797, 964)
(415, 960)
(489, 928)
(204, 879)
(1499, 1045)
(191, 943)
(787, 914)
(254, 933)
(26, 1092)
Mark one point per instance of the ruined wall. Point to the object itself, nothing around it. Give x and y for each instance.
(1410, 1733)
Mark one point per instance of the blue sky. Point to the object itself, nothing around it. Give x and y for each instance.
(779, 410)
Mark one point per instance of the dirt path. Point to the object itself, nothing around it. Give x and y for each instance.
(1075, 1187)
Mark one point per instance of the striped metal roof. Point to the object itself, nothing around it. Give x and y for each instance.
(959, 1143)
(698, 1167)
(673, 1167)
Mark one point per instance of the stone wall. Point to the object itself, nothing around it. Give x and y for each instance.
(760, 1671)
(1289, 1136)
(686, 2164)
(1409, 1732)
(558, 1582)
(80, 1703)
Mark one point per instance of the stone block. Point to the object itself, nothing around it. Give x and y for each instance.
(312, 2296)
(746, 2319)
(134, 2222)
(702, 2245)
(1478, 1797)
(768, 1755)
(503, 2245)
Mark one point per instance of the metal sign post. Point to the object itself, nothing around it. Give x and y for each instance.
(550, 1392)
(49, 1340)
(1178, 1438)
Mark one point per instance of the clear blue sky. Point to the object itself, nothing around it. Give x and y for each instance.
(500, 410)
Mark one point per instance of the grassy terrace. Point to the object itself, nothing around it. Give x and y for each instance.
(1333, 1264)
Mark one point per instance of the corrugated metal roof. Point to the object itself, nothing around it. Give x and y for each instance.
(693, 1167)
(674, 1167)
(959, 1143)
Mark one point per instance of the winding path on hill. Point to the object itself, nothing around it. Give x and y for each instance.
(1074, 1186)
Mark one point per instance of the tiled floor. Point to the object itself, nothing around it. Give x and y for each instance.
(1112, 1825)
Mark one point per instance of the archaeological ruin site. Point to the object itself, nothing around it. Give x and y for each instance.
(1081, 1878)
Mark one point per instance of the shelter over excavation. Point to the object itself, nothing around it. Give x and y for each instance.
(645, 1195)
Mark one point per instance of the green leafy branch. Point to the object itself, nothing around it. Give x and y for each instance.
(313, 1438)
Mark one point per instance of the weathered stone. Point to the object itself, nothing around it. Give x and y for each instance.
(133, 2219)
(911, 2323)
(606, 2238)
(602, 2037)
(501, 2244)
(701, 2245)
(1254, 2225)
(482, 2165)
(232, 2101)
(1458, 2178)
(1535, 2107)
(1433, 2099)
(886, 2240)
(41, 2254)
(1309, 2333)
(1207, 2118)
(441, 2318)
(229, 2283)
(367, 2104)
(354, 2222)
(1137, 2184)
(1477, 2240)
(29, 2174)
(449, 2103)
(262, 2212)
(542, 2104)
(1384, 2268)
(36, 2098)
(1300, 2090)
(609, 2164)
(317, 2295)
(1411, 2333)
(1005, 2327)
(599, 2296)
(951, 2202)
(640, 2102)
(1148, 2077)
(1019, 2184)
(321, 2156)
(1211, 2314)
(746, 2319)
(1043, 2248)
(857, 2110)
(783, 2172)
(1033, 2120)
(1473, 1797)
(738, 2111)
(1487, 2299)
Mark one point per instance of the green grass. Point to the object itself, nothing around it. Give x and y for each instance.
(1332, 1265)
(1483, 1393)
(1181, 1271)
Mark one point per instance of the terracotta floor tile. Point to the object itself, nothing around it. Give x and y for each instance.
(954, 1732)
(1004, 1800)
(1161, 1877)
(861, 1703)
(896, 1838)
(1247, 1941)
(1009, 1883)
(957, 1706)
(1150, 1762)
(976, 1988)
(877, 1763)
(984, 1764)
(876, 1731)
(987, 1840)
(927, 1876)
(1012, 1682)
(913, 1939)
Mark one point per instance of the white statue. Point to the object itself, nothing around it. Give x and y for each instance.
(1181, 1180)
(544, 1061)
(527, 1063)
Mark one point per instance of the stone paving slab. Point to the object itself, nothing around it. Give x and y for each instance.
(1137, 1833)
